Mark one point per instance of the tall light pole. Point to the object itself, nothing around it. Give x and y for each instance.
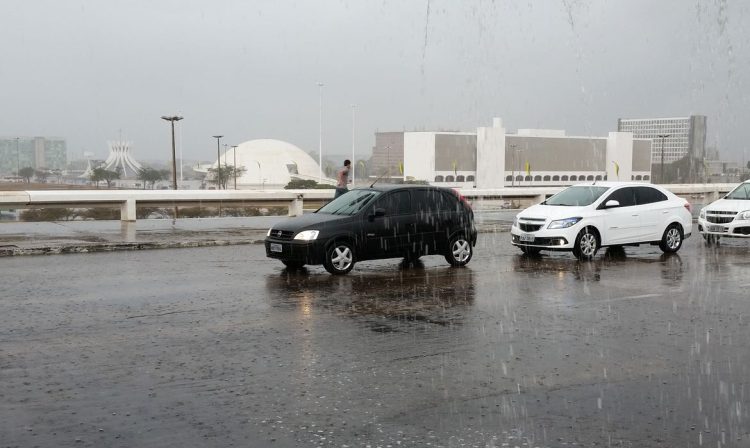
(18, 157)
(234, 164)
(320, 133)
(354, 162)
(218, 161)
(661, 175)
(172, 119)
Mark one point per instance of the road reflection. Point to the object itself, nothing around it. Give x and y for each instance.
(439, 295)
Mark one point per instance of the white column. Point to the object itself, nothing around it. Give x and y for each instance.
(127, 210)
(491, 156)
(619, 154)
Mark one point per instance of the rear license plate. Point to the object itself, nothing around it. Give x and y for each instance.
(526, 238)
(275, 247)
(715, 228)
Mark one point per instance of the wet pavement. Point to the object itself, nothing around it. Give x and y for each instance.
(220, 346)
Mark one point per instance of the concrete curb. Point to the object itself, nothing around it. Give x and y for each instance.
(112, 247)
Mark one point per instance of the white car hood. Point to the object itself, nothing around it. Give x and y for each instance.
(729, 205)
(552, 212)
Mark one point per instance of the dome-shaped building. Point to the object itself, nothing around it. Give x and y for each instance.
(270, 163)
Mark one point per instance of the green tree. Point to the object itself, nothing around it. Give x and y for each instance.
(41, 175)
(152, 176)
(222, 175)
(27, 173)
(102, 174)
(302, 184)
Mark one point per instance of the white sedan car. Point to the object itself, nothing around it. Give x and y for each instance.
(585, 217)
(729, 217)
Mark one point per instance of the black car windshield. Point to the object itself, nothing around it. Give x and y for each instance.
(741, 192)
(577, 196)
(349, 203)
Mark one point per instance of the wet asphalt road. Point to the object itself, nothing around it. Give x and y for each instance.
(222, 347)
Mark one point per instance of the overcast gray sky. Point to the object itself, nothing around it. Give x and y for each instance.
(86, 69)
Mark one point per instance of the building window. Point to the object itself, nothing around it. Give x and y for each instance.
(460, 178)
(555, 178)
(527, 178)
(547, 178)
(471, 178)
(573, 178)
(450, 179)
(632, 177)
(605, 177)
(537, 178)
(639, 177)
(590, 177)
(438, 178)
(564, 178)
(519, 178)
(599, 177)
(507, 178)
(646, 177)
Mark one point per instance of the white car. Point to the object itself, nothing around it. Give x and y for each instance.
(729, 217)
(585, 217)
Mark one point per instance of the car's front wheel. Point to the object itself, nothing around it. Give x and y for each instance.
(339, 258)
(671, 241)
(586, 245)
(460, 251)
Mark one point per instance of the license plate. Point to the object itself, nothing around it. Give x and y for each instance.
(275, 247)
(526, 238)
(715, 228)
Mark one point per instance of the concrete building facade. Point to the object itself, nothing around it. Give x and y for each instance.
(493, 158)
(36, 152)
(686, 136)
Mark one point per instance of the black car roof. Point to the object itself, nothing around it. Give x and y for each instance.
(391, 187)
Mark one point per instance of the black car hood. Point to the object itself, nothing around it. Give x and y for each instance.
(303, 222)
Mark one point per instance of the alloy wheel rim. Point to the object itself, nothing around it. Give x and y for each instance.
(461, 250)
(588, 244)
(341, 258)
(673, 238)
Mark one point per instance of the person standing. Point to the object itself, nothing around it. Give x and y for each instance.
(342, 178)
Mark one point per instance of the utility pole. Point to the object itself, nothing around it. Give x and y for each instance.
(218, 161)
(661, 175)
(354, 163)
(18, 157)
(320, 133)
(234, 164)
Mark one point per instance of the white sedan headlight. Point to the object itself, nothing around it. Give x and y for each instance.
(563, 223)
(744, 215)
(307, 235)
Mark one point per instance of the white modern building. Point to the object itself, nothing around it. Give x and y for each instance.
(682, 136)
(270, 163)
(493, 158)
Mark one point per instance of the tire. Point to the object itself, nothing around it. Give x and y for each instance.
(459, 252)
(531, 251)
(586, 245)
(293, 265)
(671, 241)
(339, 258)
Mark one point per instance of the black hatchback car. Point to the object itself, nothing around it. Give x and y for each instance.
(388, 221)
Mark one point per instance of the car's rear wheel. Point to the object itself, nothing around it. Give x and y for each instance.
(293, 265)
(671, 241)
(530, 250)
(339, 258)
(586, 245)
(459, 252)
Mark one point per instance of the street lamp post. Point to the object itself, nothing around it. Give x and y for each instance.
(218, 161)
(354, 163)
(18, 157)
(320, 133)
(234, 164)
(661, 175)
(172, 119)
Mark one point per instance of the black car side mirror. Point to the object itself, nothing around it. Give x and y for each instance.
(375, 213)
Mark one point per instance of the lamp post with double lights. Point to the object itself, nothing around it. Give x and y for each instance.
(172, 119)
(662, 137)
(218, 161)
